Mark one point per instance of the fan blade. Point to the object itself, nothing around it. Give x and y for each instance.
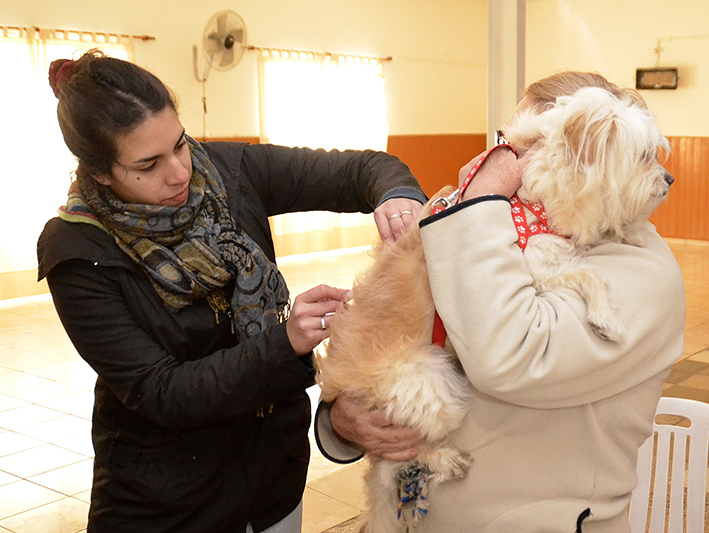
(213, 44)
(222, 25)
(238, 35)
(227, 57)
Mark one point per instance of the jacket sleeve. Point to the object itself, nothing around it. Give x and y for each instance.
(204, 385)
(301, 179)
(537, 350)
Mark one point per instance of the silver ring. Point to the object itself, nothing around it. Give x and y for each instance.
(405, 213)
(394, 216)
(323, 326)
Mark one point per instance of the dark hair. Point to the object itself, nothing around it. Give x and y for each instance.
(100, 99)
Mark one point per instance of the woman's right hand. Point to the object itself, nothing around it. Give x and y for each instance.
(500, 174)
(309, 312)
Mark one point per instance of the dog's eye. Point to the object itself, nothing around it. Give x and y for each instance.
(649, 157)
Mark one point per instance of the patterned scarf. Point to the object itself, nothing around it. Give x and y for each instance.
(192, 251)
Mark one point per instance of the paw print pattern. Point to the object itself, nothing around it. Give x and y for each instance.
(525, 230)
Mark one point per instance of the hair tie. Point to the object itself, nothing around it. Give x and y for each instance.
(59, 71)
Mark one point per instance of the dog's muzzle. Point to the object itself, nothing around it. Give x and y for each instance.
(668, 179)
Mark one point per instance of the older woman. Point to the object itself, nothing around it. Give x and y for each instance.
(557, 414)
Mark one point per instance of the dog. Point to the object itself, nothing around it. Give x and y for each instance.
(380, 352)
(596, 172)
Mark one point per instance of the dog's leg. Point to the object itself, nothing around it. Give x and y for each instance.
(382, 498)
(431, 395)
(591, 287)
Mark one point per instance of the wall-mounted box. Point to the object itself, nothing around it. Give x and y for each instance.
(656, 78)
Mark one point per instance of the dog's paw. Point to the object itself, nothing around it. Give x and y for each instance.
(607, 328)
(449, 463)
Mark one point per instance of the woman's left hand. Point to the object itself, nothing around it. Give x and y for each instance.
(395, 216)
(307, 325)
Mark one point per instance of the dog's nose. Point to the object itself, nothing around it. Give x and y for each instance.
(669, 179)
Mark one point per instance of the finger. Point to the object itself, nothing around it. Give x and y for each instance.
(395, 216)
(379, 419)
(463, 173)
(410, 216)
(322, 293)
(389, 448)
(406, 455)
(397, 436)
(322, 324)
(383, 227)
(322, 310)
(397, 226)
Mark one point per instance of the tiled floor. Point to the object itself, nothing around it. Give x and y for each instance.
(45, 404)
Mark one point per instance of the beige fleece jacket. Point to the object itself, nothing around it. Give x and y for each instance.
(558, 414)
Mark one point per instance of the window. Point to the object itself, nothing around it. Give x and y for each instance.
(37, 166)
(321, 101)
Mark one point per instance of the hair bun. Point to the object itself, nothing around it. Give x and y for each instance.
(59, 71)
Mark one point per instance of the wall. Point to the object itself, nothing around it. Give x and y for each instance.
(685, 214)
(436, 82)
(437, 48)
(616, 37)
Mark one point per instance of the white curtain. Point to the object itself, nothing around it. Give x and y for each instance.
(321, 101)
(37, 166)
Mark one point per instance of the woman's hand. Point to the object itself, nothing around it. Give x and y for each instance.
(395, 216)
(500, 174)
(307, 324)
(373, 431)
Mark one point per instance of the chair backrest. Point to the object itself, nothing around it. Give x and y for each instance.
(672, 470)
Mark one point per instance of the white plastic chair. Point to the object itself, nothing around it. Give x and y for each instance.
(673, 459)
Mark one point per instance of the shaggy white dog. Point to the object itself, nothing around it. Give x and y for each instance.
(596, 173)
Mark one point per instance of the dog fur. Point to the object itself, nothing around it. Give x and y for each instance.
(380, 352)
(596, 174)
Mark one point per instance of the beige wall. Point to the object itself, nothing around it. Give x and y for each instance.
(614, 37)
(435, 84)
(437, 81)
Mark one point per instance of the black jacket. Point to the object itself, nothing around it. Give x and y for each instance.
(194, 432)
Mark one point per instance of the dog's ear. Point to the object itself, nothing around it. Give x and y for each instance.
(579, 157)
(589, 132)
(523, 130)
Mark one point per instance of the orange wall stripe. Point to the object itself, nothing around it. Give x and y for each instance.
(436, 159)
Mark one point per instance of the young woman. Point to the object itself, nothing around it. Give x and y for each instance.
(162, 270)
